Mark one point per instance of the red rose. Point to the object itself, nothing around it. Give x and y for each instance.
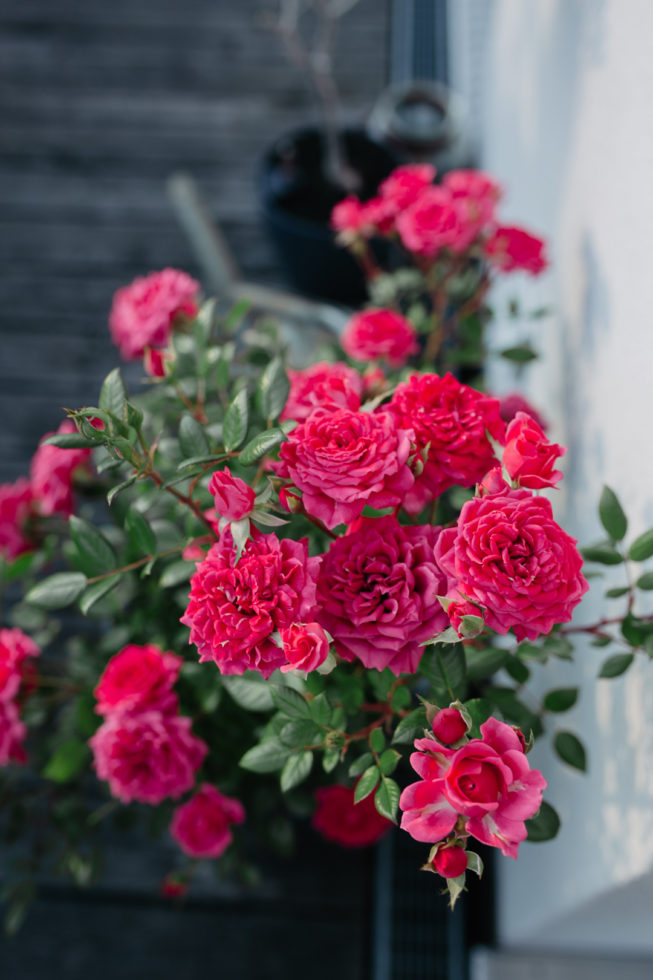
(452, 420)
(154, 362)
(306, 647)
(509, 556)
(322, 385)
(528, 455)
(450, 862)
(147, 756)
(377, 591)
(344, 822)
(405, 184)
(138, 678)
(431, 223)
(16, 500)
(512, 249)
(343, 461)
(488, 782)
(234, 499)
(202, 826)
(15, 649)
(143, 313)
(449, 726)
(376, 335)
(52, 472)
(475, 195)
(235, 608)
(12, 734)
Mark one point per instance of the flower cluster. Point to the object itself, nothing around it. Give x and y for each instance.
(16, 653)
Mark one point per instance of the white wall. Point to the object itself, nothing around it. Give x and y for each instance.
(568, 126)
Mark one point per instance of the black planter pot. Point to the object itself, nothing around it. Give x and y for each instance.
(297, 200)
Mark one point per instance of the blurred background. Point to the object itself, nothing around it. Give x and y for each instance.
(100, 105)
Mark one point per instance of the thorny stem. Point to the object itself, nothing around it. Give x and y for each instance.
(135, 564)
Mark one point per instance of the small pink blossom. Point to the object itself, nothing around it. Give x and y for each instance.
(138, 678)
(377, 334)
(16, 502)
(449, 726)
(234, 499)
(406, 184)
(147, 756)
(202, 826)
(528, 456)
(344, 822)
(306, 647)
(450, 861)
(155, 361)
(431, 223)
(343, 461)
(322, 385)
(513, 249)
(488, 782)
(15, 649)
(143, 313)
(52, 474)
(12, 734)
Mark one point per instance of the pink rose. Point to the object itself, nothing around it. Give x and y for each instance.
(12, 734)
(343, 461)
(344, 822)
(15, 649)
(487, 782)
(528, 455)
(449, 726)
(513, 249)
(154, 362)
(375, 335)
(515, 402)
(456, 611)
(52, 473)
(475, 195)
(147, 756)
(450, 861)
(306, 647)
(322, 385)
(138, 678)
(431, 223)
(143, 313)
(235, 608)
(350, 219)
(452, 420)
(509, 556)
(377, 591)
(202, 826)
(406, 183)
(16, 500)
(234, 499)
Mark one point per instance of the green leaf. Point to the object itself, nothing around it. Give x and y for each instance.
(272, 389)
(410, 727)
(193, 440)
(544, 825)
(604, 553)
(601, 641)
(57, 590)
(616, 665)
(444, 667)
(561, 699)
(237, 312)
(67, 762)
(521, 354)
(268, 756)
(114, 491)
(455, 887)
(485, 662)
(517, 669)
(479, 711)
(571, 750)
(320, 709)
(612, 516)
(530, 651)
(290, 702)
(377, 740)
(234, 426)
(388, 761)
(617, 593)
(558, 646)
(177, 572)
(514, 710)
(401, 699)
(95, 552)
(97, 591)
(301, 732)
(360, 764)
(113, 394)
(330, 759)
(366, 784)
(642, 547)
(70, 440)
(645, 581)
(386, 799)
(140, 533)
(250, 691)
(296, 770)
(475, 863)
(635, 630)
(260, 445)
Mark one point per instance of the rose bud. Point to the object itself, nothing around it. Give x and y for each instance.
(449, 726)
(234, 499)
(450, 862)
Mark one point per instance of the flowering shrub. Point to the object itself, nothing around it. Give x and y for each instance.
(302, 574)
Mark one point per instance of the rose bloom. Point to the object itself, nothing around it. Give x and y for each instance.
(52, 472)
(475, 195)
(147, 756)
(234, 499)
(515, 402)
(143, 313)
(322, 385)
(451, 419)
(528, 456)
(513, 249)
(15, 649)
(377, 591)
(202, 826)
(15, 510)
(450, 862)
(154, 362)
(350, 218)
(138, 678)
(449, 726)
(343, 461)
(344, 822)
(488, 781)
(306, 647)
(377, 334)
(235, 608)
(431, 223)
(12, 734)
(405, 184)
(509, 556)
